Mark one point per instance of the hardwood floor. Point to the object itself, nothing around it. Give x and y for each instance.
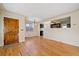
(39, 46)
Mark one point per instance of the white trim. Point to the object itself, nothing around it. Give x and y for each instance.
(62, 41)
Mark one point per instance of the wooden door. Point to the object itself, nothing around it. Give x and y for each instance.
(11, 30)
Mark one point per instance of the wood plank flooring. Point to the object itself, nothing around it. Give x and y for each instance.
(39, 46)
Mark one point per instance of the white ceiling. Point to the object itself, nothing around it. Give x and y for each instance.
(41, 10)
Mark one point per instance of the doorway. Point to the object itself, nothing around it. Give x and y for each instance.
(11, 30)
(41, 33)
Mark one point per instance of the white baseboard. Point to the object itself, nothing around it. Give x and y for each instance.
(73, 44)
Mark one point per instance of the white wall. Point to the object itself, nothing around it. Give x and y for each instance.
(66, 35)
(35, 32)
(21, 25)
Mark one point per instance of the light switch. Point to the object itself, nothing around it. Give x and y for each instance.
(21, 29)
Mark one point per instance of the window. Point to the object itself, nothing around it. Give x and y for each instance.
(29, 27)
